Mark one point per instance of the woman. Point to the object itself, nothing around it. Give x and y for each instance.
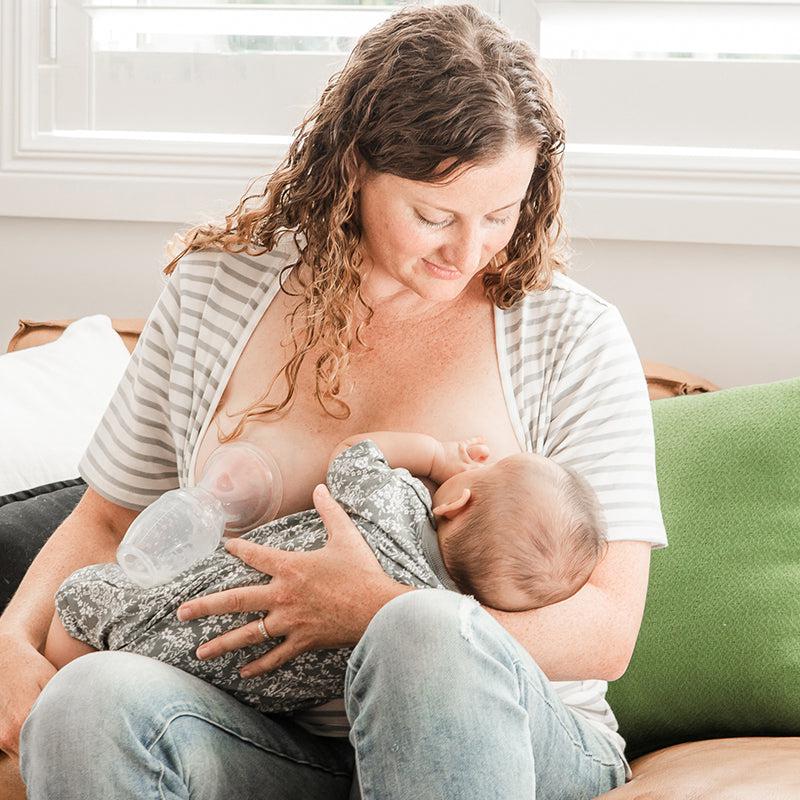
(416, 218)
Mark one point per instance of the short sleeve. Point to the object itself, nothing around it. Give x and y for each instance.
(131, 458)
(361, 480)
(602, 426)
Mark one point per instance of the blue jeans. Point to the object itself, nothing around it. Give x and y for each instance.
(443, 702)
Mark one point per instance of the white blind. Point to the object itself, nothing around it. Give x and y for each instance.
(674, 73)
(229, 69)
(671, 29)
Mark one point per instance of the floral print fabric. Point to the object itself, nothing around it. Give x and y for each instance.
(99, 605)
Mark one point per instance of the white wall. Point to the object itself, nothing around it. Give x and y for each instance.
(60, 268)
(728, 313)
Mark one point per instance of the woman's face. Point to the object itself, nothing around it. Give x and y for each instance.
(412, 227)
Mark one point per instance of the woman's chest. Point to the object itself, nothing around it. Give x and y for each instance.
(441, 379)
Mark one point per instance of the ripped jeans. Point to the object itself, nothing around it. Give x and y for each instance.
(443, 702)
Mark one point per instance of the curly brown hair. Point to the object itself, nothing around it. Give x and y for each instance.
(427, 85)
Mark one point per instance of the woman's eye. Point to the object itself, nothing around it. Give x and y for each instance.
(446, 222)
(432, 224)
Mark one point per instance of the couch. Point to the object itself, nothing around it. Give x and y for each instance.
(710, 704)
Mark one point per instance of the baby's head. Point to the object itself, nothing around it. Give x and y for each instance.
(528, 532)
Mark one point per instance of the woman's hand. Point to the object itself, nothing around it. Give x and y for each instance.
(316, 599)
(24, 671)
(454, 457)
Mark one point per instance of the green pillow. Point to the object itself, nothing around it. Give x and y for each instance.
(718, 652)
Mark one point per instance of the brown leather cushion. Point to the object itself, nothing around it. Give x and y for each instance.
(665, 381)
(31, 333)
(747, 768)
(743, 768)
(662, 380)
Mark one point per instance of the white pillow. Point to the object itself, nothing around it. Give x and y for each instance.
(51, 400)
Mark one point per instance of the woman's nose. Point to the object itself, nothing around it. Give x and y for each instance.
(464, 251)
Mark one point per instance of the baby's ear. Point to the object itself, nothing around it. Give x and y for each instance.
(452, 509)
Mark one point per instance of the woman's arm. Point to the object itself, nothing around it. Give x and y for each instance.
(88, 535)
(590, 635)
(601, 424)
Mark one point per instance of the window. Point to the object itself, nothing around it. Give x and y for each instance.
(676, 74)
(224, 71)
(681, 116)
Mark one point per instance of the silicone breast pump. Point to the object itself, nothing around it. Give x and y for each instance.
(240, 489)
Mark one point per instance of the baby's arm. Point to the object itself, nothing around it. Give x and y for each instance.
(422, 455)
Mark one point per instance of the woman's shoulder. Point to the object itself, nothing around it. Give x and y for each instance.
(214, 293)
(235, 274)
(564, 299)
(556, 316)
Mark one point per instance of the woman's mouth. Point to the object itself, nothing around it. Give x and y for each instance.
(440, 272)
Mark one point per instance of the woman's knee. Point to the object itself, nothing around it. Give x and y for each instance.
(432, 631)
(416, 620)
(108, 695)
(105, 679)
(145, 726)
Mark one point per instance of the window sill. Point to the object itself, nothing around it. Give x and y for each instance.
(749, 197)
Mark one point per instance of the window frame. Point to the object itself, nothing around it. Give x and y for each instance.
(612, 192)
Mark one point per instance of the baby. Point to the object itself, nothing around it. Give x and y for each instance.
(517, 534)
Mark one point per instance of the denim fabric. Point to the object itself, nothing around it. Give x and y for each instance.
(443, 703)
(120, 725)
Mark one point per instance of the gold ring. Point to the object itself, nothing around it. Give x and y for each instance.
(262, 628)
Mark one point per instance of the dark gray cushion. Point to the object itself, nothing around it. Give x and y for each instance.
(26, 494)
(25, 525)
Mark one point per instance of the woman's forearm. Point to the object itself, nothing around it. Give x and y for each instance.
(574, 640)
(80, 540)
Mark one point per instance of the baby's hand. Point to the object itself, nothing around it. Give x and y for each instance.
(454, 457)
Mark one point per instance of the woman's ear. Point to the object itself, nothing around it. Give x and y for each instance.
(452, 509)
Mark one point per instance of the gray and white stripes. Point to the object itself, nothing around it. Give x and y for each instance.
(574, 386)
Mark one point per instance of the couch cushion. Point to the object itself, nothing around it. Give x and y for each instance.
(25, 526)
(31, 333)
(35, 491)
(52, 398)
(718, 652)
(746, 768)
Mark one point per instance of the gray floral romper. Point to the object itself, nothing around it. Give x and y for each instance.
(99, 605)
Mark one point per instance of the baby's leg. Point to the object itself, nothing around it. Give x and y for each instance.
(60, 648)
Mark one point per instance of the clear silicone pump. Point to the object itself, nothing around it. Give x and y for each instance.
(239, 490)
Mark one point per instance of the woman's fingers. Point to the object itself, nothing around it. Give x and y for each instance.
(240, 599)
(268, 560)
(276, 657)
(235, 639)
(334, 517)
(265, 559)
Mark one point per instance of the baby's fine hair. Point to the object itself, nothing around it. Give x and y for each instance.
(541, 552)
